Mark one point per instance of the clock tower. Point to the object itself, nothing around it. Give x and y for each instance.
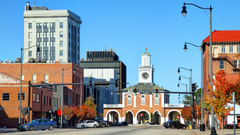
(145, 71)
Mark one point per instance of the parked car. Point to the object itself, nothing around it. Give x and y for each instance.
(174, 124)
(102, 123)
(229, 122)
(38, 124)
(87, 123)
(109, 123)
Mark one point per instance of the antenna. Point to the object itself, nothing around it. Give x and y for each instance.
(34, 3)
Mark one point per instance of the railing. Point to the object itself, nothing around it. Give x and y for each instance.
(174, 105)
(112, 105)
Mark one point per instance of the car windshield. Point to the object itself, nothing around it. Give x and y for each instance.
(34, 121)
(84, 122)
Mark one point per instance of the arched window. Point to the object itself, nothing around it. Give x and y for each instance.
(129, 99)
(156, 100)
(142, 100)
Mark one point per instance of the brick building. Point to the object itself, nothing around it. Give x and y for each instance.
(41, 100)
(145, 101)
(225, 47)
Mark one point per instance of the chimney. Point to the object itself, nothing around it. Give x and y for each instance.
(28, 7)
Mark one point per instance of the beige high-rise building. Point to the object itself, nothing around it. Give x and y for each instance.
(56, 32)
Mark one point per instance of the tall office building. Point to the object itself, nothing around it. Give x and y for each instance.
(56, 32)
(106, 60)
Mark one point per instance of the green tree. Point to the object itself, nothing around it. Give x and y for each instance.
(187, 99)
(151, 117)
(126, 117)
(89, 102)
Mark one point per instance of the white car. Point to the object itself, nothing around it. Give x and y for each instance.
(87, 123)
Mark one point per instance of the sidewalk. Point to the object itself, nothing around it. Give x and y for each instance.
(8, 130)
(218, 131)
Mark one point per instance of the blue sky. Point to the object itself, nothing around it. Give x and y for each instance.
(127, 26)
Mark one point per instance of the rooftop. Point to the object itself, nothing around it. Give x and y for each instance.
(144, 86)
(224, 36)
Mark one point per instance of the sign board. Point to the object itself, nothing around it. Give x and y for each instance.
(141, 114)
(233, 96)
(177, 117)
(145, 91)
(130, 91)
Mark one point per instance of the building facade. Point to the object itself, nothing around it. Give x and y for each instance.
(56, 32)
(106, 60)
(42, 101)
(142, 99)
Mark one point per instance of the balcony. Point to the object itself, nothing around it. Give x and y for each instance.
(112, 105)
(174, 105)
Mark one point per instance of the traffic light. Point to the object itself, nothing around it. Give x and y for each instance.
(194, 87)
(135, 92)
(50, 111)
(55, 88)
(116, 83)
(90, 82)
(49, 88)
(156, 91)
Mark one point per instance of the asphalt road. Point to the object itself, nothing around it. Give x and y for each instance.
(116, 130)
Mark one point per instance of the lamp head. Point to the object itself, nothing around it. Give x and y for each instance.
(179, 78)
(184, 11)
(185, 48)
(178, 85)
(178, 71)
(38, 49)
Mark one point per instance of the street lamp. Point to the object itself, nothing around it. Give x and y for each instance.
(20, 95)
(184, 12)
(201, 48)
(62, 94)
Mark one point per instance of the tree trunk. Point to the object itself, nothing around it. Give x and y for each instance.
(222, 126)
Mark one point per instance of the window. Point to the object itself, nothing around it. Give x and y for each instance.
(69, 44)
(45, 53)
(238, 48)
(39, 25)
(129, 100)
(44, 100)
(223, 49)
(221, 64)
(52, 44)
(5, 96)
(235, 63)
(52, 24)
(69, 35)
(39, 53)
(39, 35)
(61, 43)
(69, 53)
(45, 34)
(231, 48)
(61, 60)
(23, 96)
(34, 78)
(61, 34)
(45, 25)
(30, 25)
(52, 53)
(156, 100)
(30, 44)
(30, 34)
(142, 100)
(46, 78)
(29, 53)
(69, 26)
(34, 97)
(50, 101)
(238, 63)
(52, 34)
(38, 97)
(45, 44)
(39, 44)
(61, 52)
(61, 24)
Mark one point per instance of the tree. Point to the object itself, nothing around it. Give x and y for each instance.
(236, 88)
(187, 113)
(126, 117)
(220, 96)
(89, 102)
(68, 112)
(151, 117)
(78, 113)
(187, 99)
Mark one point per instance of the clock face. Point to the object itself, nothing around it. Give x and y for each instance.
(145, 75)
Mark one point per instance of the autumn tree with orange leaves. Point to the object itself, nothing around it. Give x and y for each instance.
(220, 96)
(187, 112)
(68, 112)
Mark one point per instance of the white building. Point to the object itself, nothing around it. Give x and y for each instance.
(106, 95)
(56, 32)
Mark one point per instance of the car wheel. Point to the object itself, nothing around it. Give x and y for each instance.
(31, 128)
(50, 127)
(43, 129)
(82, 127)
(94, 126)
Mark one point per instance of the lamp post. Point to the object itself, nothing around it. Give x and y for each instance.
(62, 94)
(190, 89)
(20, 95)
(185, 78)
(184, 12)
(183, 84)
(202, 126)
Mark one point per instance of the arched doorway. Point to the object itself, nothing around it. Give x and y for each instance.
(113, 116)
(175, 115)
(157, 117)
(129, 117)
(143, 116)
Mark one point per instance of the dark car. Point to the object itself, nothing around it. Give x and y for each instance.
(102, 123)
(174, 124)
(109, 123)
(38, 124)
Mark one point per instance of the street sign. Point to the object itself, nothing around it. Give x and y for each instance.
(130, 91)
(141, 114)
(177, 117)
